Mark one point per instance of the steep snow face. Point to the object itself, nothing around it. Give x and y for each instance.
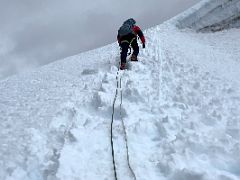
(213, 15)
(181, 108)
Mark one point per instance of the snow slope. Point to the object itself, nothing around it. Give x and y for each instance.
(180, 107)
(213, 15)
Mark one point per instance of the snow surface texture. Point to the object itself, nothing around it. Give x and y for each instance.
(180, 107)
(213, 15)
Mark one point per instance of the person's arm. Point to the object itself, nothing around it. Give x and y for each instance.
(139, 32)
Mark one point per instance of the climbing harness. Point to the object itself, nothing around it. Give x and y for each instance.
(129, 42)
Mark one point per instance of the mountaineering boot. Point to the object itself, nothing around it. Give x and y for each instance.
(123, 66)
(134, 58)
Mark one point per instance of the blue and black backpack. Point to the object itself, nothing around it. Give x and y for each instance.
(127, 27)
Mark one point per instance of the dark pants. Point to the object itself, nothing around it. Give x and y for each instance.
(125, 45)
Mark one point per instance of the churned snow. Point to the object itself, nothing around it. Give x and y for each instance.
(181, 108)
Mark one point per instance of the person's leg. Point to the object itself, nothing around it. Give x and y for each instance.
(135, 50)
(124, 52)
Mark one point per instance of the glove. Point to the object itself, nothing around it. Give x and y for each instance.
(143, 46)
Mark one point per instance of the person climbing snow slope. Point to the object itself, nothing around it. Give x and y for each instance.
(127, 36)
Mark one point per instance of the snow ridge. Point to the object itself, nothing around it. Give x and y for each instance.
(213, 15)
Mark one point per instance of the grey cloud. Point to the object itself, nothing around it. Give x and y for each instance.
(43, 31)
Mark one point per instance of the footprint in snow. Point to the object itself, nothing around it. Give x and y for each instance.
(89, 71)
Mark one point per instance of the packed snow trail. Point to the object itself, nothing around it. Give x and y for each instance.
(129, 95)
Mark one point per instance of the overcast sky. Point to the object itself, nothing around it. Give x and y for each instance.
(34, 33)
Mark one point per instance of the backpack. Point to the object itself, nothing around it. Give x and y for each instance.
(125, 29)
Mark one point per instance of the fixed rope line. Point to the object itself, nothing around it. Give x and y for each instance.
(119, 86)
(113, 111)
(125, 133)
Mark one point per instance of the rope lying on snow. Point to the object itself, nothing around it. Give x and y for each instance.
(113, 111)
(119, 86)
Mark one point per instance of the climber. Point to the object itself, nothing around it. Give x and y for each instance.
(127, 36)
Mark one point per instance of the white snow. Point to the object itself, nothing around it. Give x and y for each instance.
(180, 108)
(212, 15)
